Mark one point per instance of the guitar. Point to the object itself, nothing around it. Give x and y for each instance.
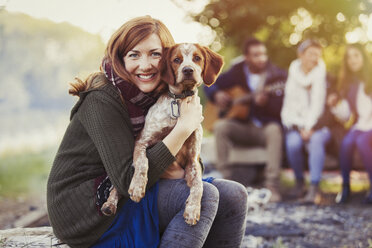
(240, 105)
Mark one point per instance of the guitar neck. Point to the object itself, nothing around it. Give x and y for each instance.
(247, 98)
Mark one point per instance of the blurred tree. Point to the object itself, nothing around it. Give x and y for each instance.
(38, 58)
(281, 24)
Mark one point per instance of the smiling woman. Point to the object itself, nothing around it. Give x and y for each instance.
(142, 63)
(97, 153)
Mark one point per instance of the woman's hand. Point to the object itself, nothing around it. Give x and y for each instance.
(190, 118)
(174, 171)
(191, 115)
(332, 99)
(306, 134)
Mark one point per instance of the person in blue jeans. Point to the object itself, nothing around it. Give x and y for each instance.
(354, 101)
(97, 152)
(304, 103)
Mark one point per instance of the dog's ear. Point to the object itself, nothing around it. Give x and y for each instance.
(212, 66)
(167, 74)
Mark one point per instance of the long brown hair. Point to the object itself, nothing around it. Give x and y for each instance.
(346, 76)
(120, 43)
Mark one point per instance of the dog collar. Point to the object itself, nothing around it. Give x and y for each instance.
(183, 95)
(175, 106)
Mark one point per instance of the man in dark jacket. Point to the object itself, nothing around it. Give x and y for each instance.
(262, 85)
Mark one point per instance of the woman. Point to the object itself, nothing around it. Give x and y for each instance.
(304, 102)
(355, 87)
(99, 141)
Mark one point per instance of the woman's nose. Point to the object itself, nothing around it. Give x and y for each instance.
(145, 63)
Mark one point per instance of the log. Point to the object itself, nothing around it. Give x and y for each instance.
(41, 237)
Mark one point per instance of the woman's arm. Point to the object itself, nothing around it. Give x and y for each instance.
(109, 127)
(341, 110)
(317, 99)
(190, 118)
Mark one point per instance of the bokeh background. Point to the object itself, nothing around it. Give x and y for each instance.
(45, 44)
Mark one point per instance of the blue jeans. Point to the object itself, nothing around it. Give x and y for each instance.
(222, 217)
(316, 148)
(362, 140)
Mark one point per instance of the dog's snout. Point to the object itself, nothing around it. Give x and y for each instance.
(187, 71)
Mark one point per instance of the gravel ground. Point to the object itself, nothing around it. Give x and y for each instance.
(285, 224)
(289, 224)
(12, 209)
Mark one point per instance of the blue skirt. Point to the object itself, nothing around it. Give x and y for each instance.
(136, 225)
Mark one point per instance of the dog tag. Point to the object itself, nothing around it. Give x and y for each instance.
(175, 109)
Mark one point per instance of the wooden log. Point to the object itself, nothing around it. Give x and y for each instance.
(41, 237)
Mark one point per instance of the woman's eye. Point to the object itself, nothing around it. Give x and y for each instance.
(177, 60)
(133, 55)
(156, 54)
(197, 58)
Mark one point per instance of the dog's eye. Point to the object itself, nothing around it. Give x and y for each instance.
(177, 60)
(197, 58)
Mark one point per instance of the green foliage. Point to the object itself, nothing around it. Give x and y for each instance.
(279, 243)
(24, 173)
(282, 24)
(369, 243)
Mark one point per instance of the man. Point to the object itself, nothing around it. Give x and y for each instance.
(262, 125)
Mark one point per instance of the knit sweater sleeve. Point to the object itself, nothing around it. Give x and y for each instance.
(108, 125)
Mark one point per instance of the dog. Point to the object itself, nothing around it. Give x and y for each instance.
(185, 67)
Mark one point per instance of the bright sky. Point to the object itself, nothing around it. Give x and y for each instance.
(105, 16)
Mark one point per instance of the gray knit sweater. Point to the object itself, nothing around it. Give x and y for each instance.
(99, 138)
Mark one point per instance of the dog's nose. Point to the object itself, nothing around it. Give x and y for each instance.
(187, 71)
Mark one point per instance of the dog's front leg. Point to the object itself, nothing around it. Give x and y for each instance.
(110, 206)
(138, 184)
(194, 178)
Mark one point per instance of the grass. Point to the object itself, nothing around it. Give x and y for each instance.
(369, 243)
(21, 174)
(332, 184)
(279, 243)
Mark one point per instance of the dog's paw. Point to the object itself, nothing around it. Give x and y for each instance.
(192, 213)
(137, 187)
(108, 209)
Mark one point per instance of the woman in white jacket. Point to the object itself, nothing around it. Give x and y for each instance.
(304, 103)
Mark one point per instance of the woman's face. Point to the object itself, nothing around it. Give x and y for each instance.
(310, 58)
(354, 59)
(142, 63)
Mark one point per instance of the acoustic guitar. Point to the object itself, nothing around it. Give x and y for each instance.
(240, 105)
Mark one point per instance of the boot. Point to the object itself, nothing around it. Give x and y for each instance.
(312, 196)
(298, 190)
(343, 196)
(275, 194)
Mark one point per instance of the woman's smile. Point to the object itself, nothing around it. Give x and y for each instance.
(142, 63)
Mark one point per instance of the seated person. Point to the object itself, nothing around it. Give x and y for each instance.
(261, 125)
(354, 100)
(304, 102)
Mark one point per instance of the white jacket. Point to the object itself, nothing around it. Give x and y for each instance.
(305, 95)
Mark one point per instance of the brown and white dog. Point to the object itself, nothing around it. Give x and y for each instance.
(186, 67)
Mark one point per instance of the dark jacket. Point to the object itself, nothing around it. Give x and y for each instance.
(98, 139)
(235, 76)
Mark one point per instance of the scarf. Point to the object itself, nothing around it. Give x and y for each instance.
(306, 80)
(137, 102)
